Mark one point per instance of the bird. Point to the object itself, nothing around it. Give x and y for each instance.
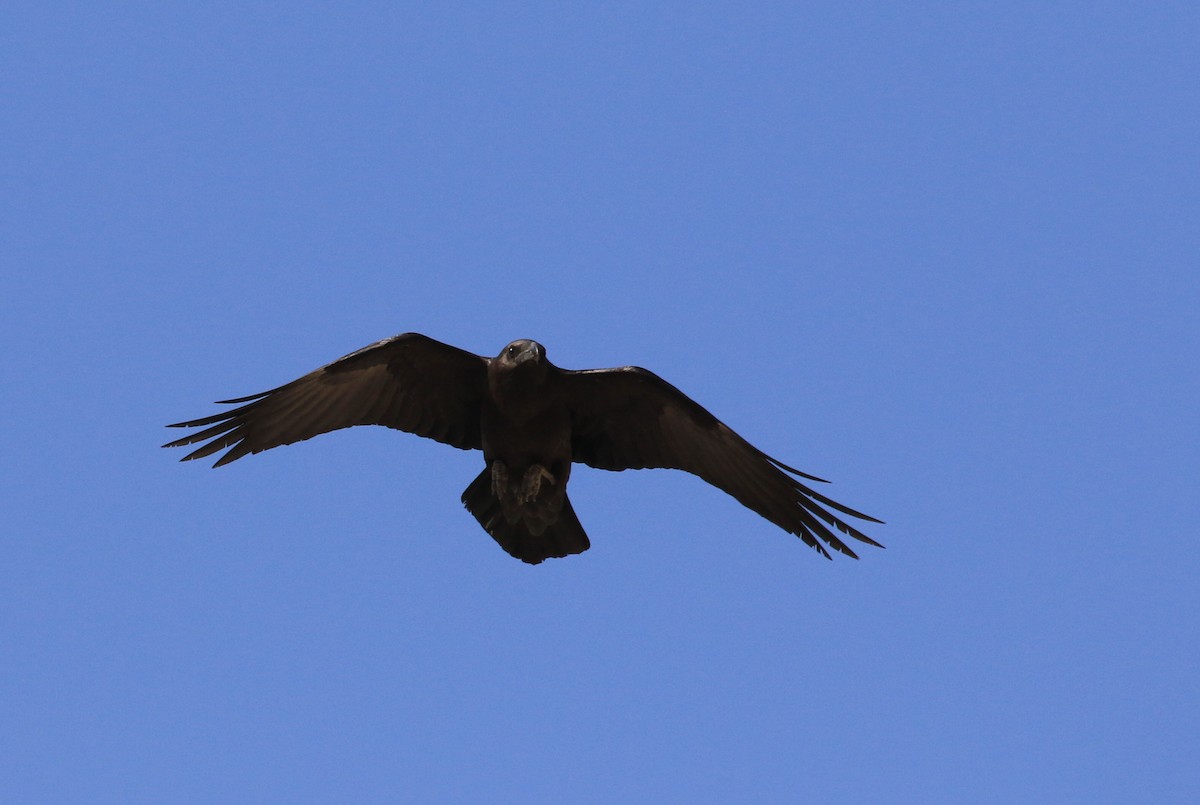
(532, 421)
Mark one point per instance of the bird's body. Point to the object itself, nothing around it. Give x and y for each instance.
(532, 421)
(525, 427)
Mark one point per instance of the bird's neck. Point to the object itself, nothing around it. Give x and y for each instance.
(518, 396)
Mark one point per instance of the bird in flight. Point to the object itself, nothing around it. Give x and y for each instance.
(532, 420)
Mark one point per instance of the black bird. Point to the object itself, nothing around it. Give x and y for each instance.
(532, 420)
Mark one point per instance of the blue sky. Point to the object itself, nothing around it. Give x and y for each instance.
(945, 256)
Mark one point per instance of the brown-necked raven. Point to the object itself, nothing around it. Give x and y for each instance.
(531, 420)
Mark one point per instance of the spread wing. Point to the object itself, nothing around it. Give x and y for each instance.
(630, 418)
(408, 382)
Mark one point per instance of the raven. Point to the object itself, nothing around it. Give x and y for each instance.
(532, 420)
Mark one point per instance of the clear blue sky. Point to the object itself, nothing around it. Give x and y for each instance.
(945, 256)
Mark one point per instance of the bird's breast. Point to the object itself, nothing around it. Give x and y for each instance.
(529, 437)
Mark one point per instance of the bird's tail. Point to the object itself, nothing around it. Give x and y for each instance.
(561, 538)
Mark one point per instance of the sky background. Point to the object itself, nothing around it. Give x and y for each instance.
(945, 256)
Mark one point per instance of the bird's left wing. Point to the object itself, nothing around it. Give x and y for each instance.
(630, 418)
(408, 382)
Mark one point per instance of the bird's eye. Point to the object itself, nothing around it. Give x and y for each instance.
(512, 351)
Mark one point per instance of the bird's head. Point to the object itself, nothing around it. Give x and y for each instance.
(522, 353)
(520, 368)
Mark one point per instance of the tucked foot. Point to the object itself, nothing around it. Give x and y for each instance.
(499, 480)
(531, 484)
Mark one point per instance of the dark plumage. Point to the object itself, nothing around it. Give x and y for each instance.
(532, 420)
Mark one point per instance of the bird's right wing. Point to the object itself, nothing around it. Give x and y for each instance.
(408, 382)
